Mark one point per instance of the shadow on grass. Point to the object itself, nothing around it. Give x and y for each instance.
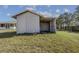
(7, 34)
(73, 31)
(12, 34)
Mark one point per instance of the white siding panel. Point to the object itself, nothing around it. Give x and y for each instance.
(27, 23)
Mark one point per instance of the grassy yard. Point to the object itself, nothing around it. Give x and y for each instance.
(48, 42)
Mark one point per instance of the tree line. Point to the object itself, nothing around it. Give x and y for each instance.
(68, 21)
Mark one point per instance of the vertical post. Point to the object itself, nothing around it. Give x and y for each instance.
(53, 25)
(6, 26)
(14, 25)
(0, 26)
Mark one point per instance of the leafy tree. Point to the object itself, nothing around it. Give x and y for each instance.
(68, 19)
(59, 21)
(77, 13)
(64, 20)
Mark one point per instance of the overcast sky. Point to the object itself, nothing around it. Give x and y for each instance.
(6, 11)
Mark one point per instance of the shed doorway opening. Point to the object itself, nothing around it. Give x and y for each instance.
(44, 26)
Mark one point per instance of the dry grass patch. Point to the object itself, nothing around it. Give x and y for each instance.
(48, 42)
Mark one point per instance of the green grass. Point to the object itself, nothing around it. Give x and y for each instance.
(60, 42)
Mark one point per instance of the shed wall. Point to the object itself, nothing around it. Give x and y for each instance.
(27, 23)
